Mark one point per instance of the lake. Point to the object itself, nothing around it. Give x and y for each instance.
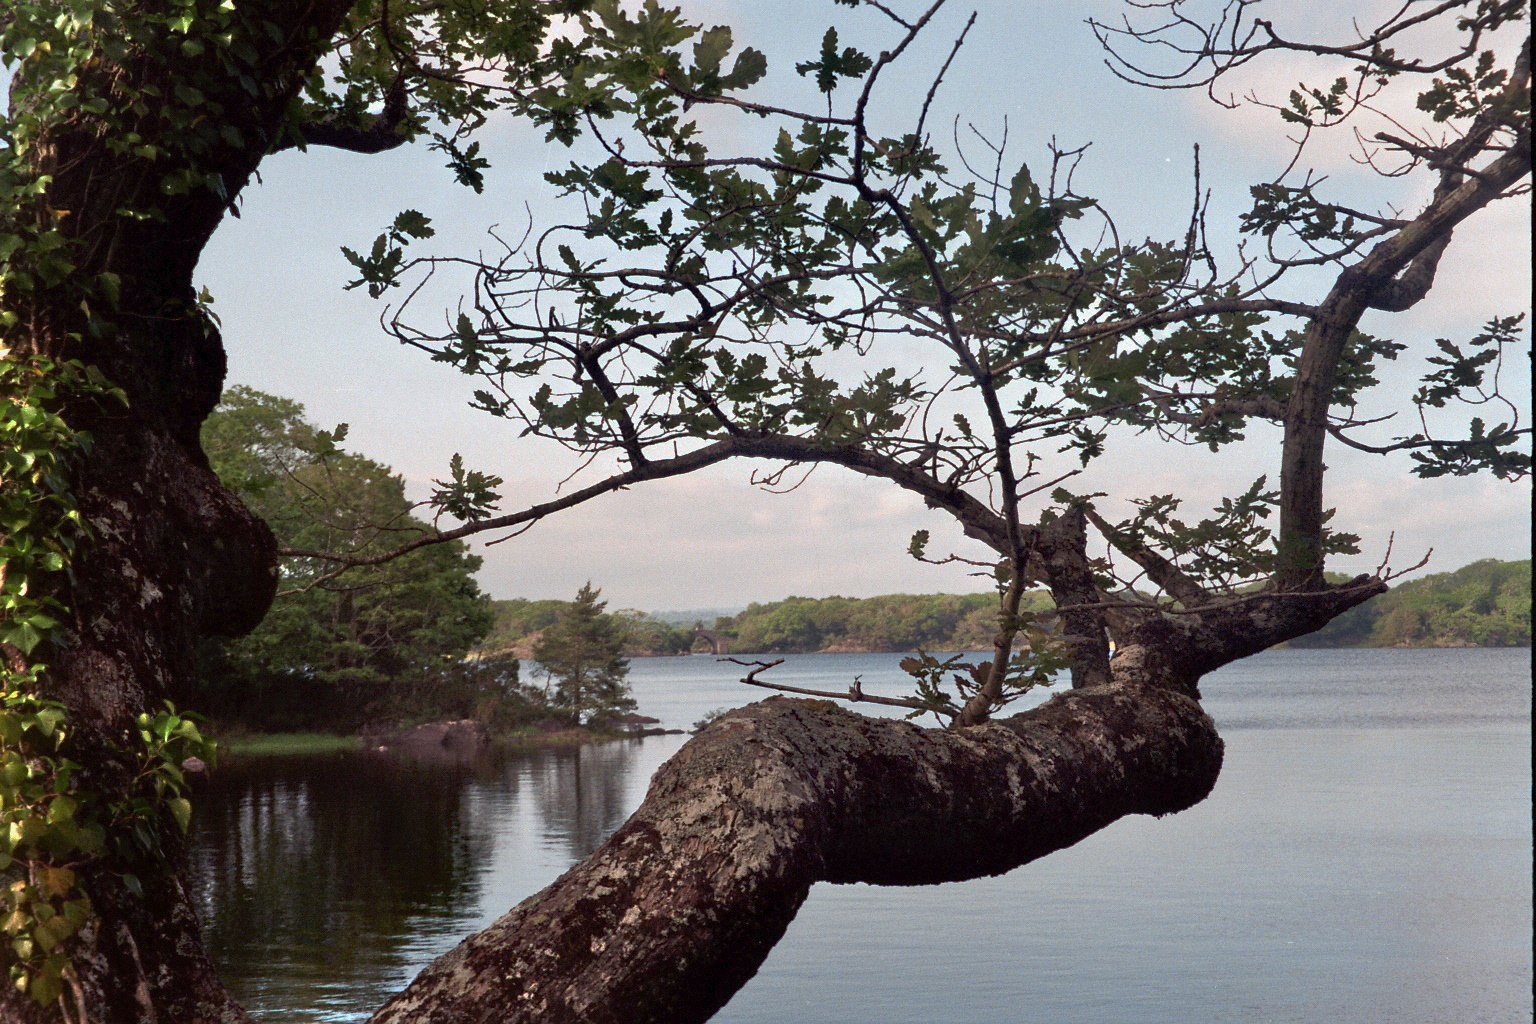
(1366, 856)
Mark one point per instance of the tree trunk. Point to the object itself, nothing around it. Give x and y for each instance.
(173, 554)
(169, 561)
(680, 907)
(1395, 275)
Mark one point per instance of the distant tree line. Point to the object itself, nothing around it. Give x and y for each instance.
(892, 622)
(795, 625)
(518, 622)
(1485, 604)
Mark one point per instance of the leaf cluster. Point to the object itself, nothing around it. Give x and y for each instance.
(53, 824)
(1466, 92)
(1226, 551)
(1039, 663)
(436, 69)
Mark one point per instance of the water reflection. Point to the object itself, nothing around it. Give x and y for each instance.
(322, 879)
(580, 794)
(1366, 856)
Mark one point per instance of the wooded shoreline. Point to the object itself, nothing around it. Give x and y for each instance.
(1485, 604)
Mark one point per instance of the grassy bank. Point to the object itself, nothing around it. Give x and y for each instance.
(283, 744)
(290, 744)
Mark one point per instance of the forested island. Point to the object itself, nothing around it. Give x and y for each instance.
(1485, 604)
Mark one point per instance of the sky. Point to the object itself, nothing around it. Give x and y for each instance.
(712, 540)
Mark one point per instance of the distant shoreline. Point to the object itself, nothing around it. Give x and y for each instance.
(1486, 604)
(1450, 645)
(252, 745)
(299, 744)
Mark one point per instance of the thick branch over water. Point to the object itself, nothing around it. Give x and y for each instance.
(681, 906)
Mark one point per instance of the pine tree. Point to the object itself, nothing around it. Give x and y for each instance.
(581, 655)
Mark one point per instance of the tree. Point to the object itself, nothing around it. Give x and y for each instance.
(518, 619)
(646, 635)
(582, 653)
(705, 306)
(705, 310)
(336, 647)
(894, 622)
(132, 129)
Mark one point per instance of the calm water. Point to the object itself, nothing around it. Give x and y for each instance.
(1366, 857)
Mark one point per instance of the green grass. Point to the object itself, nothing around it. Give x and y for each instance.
(287, 744)
(526, 738)
(277, 744)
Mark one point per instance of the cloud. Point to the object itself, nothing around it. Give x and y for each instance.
(713, 540)
(1461, 520)
(1259, 130)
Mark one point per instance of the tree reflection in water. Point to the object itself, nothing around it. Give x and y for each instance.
(580, 795)
(324, 881)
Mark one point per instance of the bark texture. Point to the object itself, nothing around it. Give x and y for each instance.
(174, 554)
(679, 908)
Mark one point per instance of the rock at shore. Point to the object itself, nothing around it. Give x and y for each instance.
(463, 736)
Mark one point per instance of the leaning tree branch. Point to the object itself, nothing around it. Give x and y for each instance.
(854, 694)
(1411, 443)
(670, 917)
(977, 520)
(1231, 43)
(1161, 571)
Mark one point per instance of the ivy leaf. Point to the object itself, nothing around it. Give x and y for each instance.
(181, 809)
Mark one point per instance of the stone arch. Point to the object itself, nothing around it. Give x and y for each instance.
(718, 643)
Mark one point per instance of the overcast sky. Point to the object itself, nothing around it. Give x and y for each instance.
(711, 540)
